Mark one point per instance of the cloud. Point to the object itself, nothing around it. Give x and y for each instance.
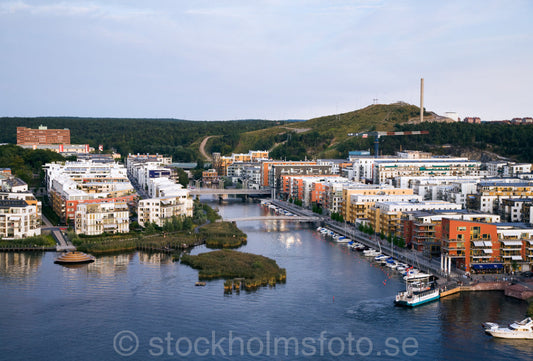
(74, 9)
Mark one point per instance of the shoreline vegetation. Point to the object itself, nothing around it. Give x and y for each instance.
(240, 269)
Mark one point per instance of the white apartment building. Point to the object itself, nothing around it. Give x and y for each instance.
(159, 210)
(97, 218)
(388, 171)
(73, 183)
(19, 219)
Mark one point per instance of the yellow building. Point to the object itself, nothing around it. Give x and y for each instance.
(353, 209)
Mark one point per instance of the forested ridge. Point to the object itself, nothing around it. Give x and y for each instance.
(178, 138)
(324, 137)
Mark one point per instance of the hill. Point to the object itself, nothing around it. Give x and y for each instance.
(327, 136)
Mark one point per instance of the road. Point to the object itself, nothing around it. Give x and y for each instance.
(202, 147)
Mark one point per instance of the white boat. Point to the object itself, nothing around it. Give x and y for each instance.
(342, 239)
(518, 330)
(371, 252)
(418, 290)
(380, 257)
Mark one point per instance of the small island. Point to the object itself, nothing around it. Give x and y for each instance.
(238, 268)
(222, 235)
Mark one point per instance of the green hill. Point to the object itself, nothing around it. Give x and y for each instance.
(327, 136)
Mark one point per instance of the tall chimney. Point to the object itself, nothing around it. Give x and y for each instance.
(421, 100)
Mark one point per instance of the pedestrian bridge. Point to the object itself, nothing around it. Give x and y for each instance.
(274, 218)
(217, 191)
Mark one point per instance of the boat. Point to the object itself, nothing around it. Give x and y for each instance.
(343, 239)
(74, 257)
(517, 330)
(418, 291)
(200, 283)
(371, 252)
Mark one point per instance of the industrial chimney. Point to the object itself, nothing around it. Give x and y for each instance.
(421, 100)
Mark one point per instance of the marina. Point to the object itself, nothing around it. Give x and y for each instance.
(330, 288)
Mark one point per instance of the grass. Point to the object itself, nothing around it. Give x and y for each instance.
(256, 270)
(38, 241)
(132, 241)
(222, 235)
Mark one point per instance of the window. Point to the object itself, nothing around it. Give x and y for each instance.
(459, 229)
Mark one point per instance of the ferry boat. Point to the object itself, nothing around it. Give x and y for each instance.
(418, 290)
(517, 330)
(74, 257)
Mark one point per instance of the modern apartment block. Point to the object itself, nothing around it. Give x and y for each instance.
(350, 212)
(385, 217)
(95, 219)
(490, 194)
(423, 229)
(42, 135)
(74, 183)
(386, 171)
(486, 248)
(221, 163)
(19, 218)
(161, 210)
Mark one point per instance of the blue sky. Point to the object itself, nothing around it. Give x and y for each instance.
(270, 59)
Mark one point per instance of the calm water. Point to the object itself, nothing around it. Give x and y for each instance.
(335, 305)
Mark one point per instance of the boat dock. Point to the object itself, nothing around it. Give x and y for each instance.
(401, 254)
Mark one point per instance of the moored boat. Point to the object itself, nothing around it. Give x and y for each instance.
(418, 290)
(74, 257)
(516, 330)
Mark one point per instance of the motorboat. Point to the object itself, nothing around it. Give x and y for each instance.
(517, 330)
(371, 252)
(343, 239)
(419, 289)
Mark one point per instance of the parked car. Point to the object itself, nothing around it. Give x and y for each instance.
(527, 274)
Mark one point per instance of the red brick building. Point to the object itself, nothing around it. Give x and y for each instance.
(43, 135)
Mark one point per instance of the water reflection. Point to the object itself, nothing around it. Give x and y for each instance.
(20, 264)
(290, 240)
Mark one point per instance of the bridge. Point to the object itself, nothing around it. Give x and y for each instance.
(275, 218)
(220, 191)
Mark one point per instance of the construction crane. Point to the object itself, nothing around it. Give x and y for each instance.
(378, 134)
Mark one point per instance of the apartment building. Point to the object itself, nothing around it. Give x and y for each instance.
(490, 194)
(423, 229)
(74, 183)
(221, 163)
(19, 218)
(161, 210)
(385, 217)
(42, 135)
(350, 212)
(95, 219)
(386, 171)
(482, 247)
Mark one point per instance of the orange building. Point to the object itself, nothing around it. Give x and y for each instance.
(474, 246)
(43, 135)
(266, 169)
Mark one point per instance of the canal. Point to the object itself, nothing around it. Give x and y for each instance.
(335, 305)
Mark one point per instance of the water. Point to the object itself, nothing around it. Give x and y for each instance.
(335, 305)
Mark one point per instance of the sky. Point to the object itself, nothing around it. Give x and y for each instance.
(264, 59)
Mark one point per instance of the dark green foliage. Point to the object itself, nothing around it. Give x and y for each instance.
(507, 140)
(24, 163)
(165, 136)
(183, 178)
(37, 241)
(337, 217)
